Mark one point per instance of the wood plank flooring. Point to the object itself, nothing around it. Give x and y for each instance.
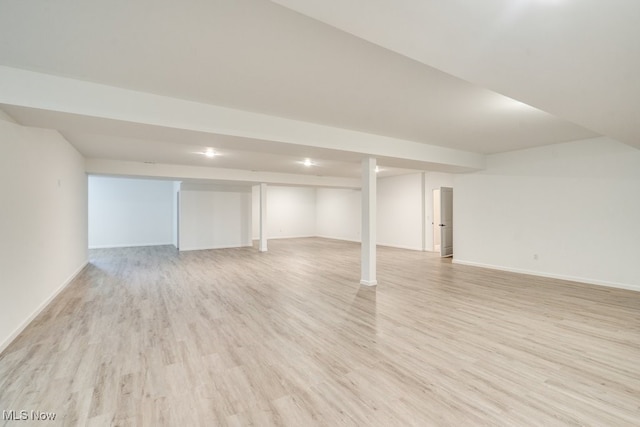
(153, 337)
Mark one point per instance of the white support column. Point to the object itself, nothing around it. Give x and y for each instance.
(262, 246)
(425, 216)
(368, 264)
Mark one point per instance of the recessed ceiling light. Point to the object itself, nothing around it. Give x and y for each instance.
(307, 163)
(377, 169)
(209, 152)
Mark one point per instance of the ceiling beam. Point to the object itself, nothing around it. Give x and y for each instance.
(203, 173)
(47, 92)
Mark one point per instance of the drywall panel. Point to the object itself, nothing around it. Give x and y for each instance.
(568, 210)
(214, 219)
(43, 222)
(130, 212)
(338, 214)
(291, 212)
(400, 211)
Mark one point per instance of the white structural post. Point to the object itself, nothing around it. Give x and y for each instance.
(368, 264)
(425, 214)
(262, 246)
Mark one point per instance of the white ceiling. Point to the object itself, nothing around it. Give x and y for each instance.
(576, 59)
(258, 56)
(118, 140)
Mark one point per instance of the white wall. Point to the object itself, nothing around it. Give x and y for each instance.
(338, 214)
(433, 180)
(291, 212)
(130, 212)
(215, 219)
(43, 221)
(399, 214)
(576, 205)
(400, 211)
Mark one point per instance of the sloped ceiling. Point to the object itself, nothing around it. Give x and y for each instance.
(576, 59)
(429, 72)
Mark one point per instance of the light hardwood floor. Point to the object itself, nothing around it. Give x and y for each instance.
(149, 336)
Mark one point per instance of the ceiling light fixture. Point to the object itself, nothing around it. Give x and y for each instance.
(307, 162)
(210, 153)
(377, 169)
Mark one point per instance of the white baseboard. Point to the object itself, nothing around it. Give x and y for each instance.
(550, 275)
(205, 248)
(410, 248)
(41, 307)
(339, 238)
(287, 237)
(125, 245)
(378, 244)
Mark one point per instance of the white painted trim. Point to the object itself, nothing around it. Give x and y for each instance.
(41, 307)
(410, 248)
(290, 237)
(308, 237)
(131, 246)
(246, 245)
(304, 236)
(339, 238)
(551, 275)
(369, 283)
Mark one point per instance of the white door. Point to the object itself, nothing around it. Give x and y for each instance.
(446, 221)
